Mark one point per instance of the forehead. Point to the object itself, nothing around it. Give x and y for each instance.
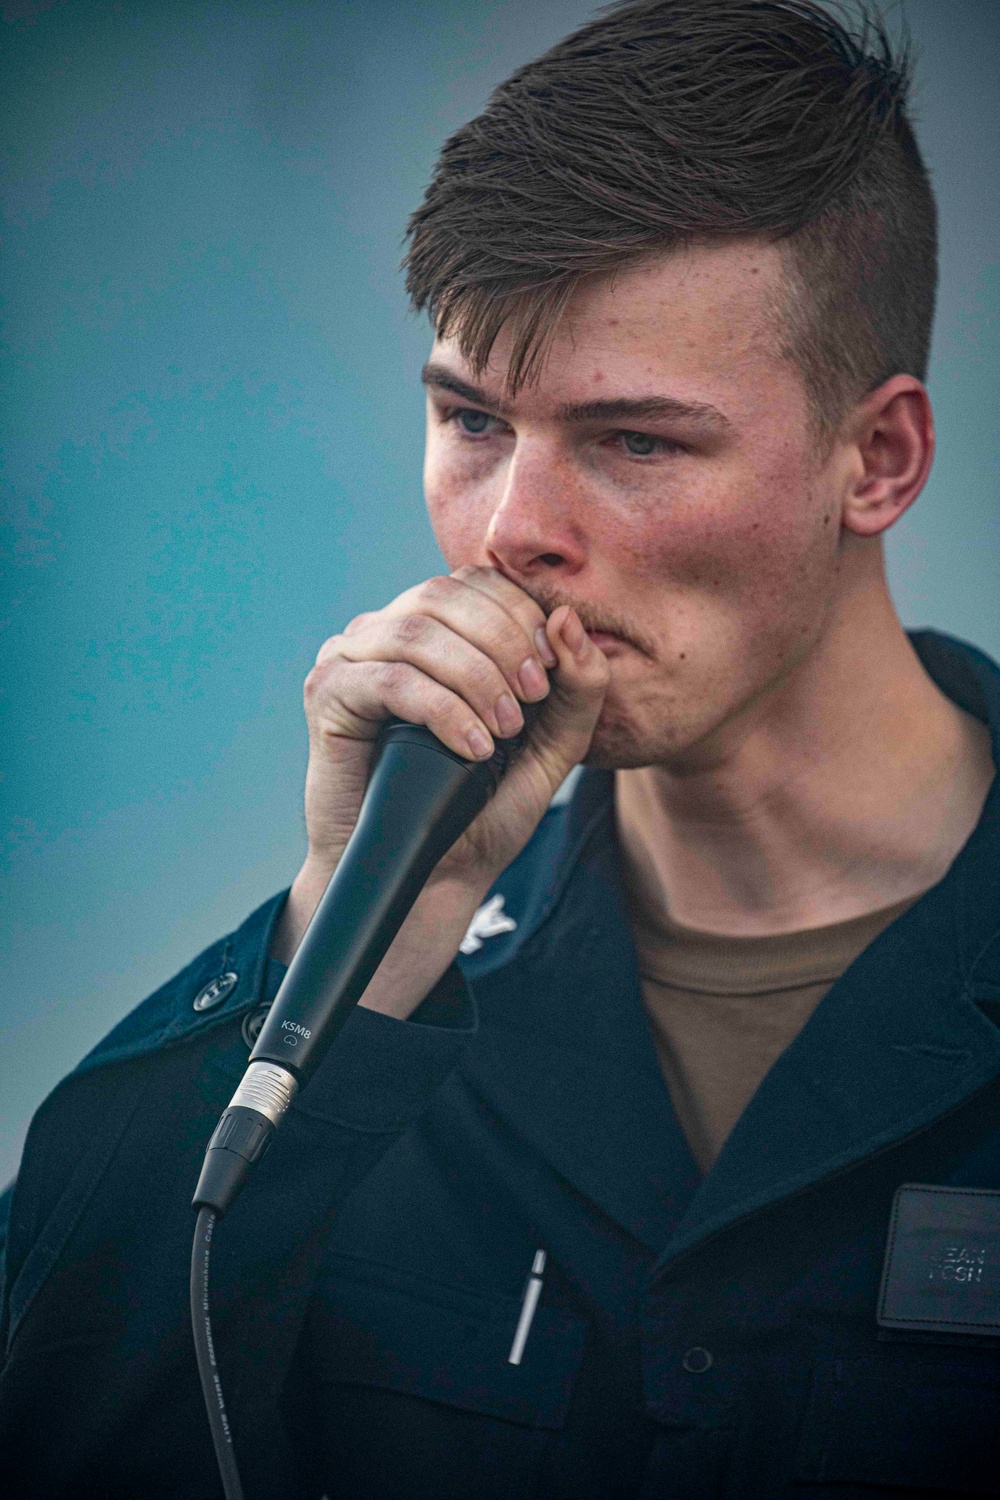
(703, 323)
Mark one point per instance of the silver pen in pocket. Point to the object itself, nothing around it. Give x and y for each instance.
(532, 1292)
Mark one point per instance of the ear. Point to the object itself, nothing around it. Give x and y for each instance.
(892, 433)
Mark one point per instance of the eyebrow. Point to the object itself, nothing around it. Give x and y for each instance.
(442, 379)
(612, 409)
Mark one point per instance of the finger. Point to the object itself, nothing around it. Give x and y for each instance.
(445, 656)
(353, 699)
(525, 610)
(562, 736)
(486, 624)
(580, 680)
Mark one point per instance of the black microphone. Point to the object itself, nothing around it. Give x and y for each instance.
(420, 798)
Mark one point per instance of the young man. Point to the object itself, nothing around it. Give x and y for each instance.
(683, 1180)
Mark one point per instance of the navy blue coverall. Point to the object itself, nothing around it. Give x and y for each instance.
(693, 1337)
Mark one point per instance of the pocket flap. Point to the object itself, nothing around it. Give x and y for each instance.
(922, 1426)
(372, 1326)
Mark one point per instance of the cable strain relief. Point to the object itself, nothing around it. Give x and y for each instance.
(238, 1143)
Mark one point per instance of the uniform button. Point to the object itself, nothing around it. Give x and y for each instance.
(697, 1360)
(215, 992)
(253, 1022)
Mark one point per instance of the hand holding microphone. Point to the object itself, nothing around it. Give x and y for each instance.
(445, 654)
(413, 849)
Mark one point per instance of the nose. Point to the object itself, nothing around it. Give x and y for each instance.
(536, 530)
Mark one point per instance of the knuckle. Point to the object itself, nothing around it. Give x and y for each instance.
(448, 708)
(358, 623)
(484, 677)
(533, 614)
(508, 653)
(517, 636)
(329, 648)
(438, 587)
(411, 628)
(395, 677)
(316, 681)
(324, 681)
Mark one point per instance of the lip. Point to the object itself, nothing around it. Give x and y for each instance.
(604, 641)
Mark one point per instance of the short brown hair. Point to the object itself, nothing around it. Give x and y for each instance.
(668, 122)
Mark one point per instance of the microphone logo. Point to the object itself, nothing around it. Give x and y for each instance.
(299, 1030)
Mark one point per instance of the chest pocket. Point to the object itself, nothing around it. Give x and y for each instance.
(374, 1327)
(414, 1394)
(910, 1429)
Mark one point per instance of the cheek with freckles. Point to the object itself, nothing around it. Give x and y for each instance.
(717, 548)
(733, 584)
(460, 503)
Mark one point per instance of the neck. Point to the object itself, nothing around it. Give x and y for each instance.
(850, 787)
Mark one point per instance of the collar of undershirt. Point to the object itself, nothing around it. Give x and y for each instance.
(709, 963)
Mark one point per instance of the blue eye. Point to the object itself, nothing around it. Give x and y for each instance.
(640, 444)
(473, 422)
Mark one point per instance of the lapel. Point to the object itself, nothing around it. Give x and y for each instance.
(898, 1042)
(901, 1039)
(564, 1053)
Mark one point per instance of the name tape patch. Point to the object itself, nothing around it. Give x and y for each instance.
(942, 1262)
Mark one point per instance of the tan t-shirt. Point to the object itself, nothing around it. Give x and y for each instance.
(723, 1008)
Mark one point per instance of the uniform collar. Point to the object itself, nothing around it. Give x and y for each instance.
(900, 1040)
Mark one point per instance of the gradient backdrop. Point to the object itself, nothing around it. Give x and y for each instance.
(213, 436)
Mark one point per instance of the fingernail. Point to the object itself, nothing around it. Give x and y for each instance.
(574, 634)
(479, 743)
(545, 651)
(533, 679)
(509, 716)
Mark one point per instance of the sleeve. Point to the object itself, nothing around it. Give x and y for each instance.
(99, 1381)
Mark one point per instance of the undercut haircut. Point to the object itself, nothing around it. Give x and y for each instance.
(668, 123)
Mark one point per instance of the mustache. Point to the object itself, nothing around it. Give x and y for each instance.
(595, 617)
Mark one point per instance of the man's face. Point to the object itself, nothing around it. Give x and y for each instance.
(660, 475)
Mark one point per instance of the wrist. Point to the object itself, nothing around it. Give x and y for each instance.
(303, 898)
(423, 949)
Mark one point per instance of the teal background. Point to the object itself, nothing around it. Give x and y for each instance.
(212, 435)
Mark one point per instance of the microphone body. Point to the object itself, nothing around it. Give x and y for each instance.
(420, 798)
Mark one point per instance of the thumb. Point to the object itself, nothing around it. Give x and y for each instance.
(561, 737)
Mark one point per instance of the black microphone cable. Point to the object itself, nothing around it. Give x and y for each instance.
(420, 798)
(204, 1349)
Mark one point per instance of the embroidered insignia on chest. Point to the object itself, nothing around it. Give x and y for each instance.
(489, 921)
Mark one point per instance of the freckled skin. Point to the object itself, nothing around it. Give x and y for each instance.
(718, 556)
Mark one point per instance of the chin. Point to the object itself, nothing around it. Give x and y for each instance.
(618, 746)
(625, 740)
